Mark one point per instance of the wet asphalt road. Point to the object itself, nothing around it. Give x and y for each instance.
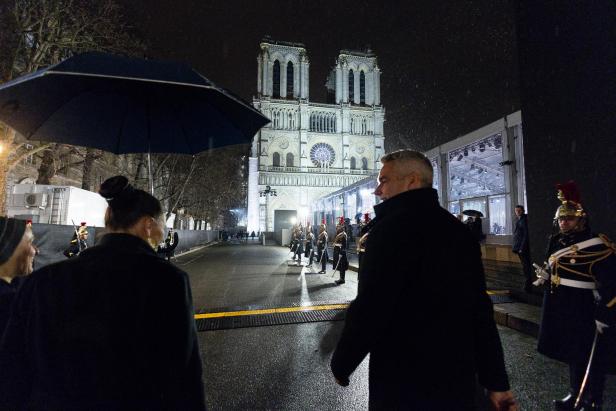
(286, 367)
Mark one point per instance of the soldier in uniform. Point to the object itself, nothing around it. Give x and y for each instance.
(79, 242)
(309, 253)
(299, 245)
(322, 247)
(579, 306)
(340, 251)
(364, 229)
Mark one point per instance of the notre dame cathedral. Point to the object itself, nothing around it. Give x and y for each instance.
(311, 149)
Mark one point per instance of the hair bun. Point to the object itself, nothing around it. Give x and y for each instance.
(113, 187)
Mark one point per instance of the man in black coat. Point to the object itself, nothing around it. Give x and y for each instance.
(422, 311)
(521, 246)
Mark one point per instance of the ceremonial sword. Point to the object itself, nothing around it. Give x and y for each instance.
(578, 400)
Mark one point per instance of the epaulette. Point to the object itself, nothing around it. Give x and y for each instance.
(608, 243)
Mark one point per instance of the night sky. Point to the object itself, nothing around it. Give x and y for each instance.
(448, 67)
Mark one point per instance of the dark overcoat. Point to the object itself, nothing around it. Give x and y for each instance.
(7, 294)
(422, 311)
(110, 329)
(568, 317)
(520, 236)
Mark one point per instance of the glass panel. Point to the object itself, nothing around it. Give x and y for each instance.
(478, 204)
(435, 178)
(454, 207)
(475, 170)
(498, 215)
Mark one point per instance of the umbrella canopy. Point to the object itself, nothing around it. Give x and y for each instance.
(473, 213)
(126, 105)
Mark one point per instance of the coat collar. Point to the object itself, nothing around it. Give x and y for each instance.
(125, 242)
(413, 201)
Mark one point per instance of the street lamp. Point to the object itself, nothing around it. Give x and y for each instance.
(268, 192)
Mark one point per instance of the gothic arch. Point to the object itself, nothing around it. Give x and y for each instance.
(351, 85)
(290, 79)
(290, 159)
(276, 79)
(353, 163)
(364, 163)
(362, 87)
(276, 159)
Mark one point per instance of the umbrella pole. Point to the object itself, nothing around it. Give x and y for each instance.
(150, 173)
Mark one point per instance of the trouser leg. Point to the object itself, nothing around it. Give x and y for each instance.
(528, 270)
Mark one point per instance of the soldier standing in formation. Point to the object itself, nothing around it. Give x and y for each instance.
(298, 244)
(78, 243)
(309, 253)
(322, 247)
(364, 229)
(340, 251)
(579, 306)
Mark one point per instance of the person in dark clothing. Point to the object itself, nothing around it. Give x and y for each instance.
(364, 230)
(521, 247)
(16, 259)
(340, 261)
(111, 329)
(309, 248)
(78, 243)
(322, 247)
(475, 225)
(419, 359)
(171, 243)
(579, 302)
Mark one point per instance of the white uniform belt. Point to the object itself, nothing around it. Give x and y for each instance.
(578, 246)
(588, 285)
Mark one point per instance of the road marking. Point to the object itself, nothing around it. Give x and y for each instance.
(295, 309)
(272, 311)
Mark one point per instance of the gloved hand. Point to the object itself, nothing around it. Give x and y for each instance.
(601, 326)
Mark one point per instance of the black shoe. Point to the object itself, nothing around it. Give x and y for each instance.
(566, 404)
(338, 282)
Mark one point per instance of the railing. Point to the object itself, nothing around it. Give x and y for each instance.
(318, 170)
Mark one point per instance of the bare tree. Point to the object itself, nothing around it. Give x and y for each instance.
(38, 33)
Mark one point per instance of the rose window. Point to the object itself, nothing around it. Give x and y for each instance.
(322, 155)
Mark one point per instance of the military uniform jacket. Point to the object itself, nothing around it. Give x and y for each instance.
(340, 260)
(422, 311)
(110, 329)
(568, 321)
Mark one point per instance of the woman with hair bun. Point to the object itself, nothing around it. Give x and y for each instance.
(110, 329)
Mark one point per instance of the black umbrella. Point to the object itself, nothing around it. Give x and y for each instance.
(126, 105)
(473, 213)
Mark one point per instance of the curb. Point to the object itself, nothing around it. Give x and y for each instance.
(514, 322)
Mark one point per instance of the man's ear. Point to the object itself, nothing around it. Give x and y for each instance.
(412, 181)
(144, 226)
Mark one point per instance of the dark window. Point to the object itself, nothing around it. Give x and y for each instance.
(364, 163)
(276, 160)
(362, 88)
(351, 86)
(276, 81)
(290, 79)
(353, 163)
(289, 160)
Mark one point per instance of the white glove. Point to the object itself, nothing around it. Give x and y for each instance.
(601, 326)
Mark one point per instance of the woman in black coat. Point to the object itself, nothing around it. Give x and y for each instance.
(110, 329)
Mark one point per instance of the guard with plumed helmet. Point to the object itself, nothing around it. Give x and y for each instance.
(340, 261)
(578, 324)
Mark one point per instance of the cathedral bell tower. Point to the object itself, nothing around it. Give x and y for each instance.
(282, 70)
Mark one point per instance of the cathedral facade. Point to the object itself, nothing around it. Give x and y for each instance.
(311, 149)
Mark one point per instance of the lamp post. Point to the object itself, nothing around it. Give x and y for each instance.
(269, 191)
